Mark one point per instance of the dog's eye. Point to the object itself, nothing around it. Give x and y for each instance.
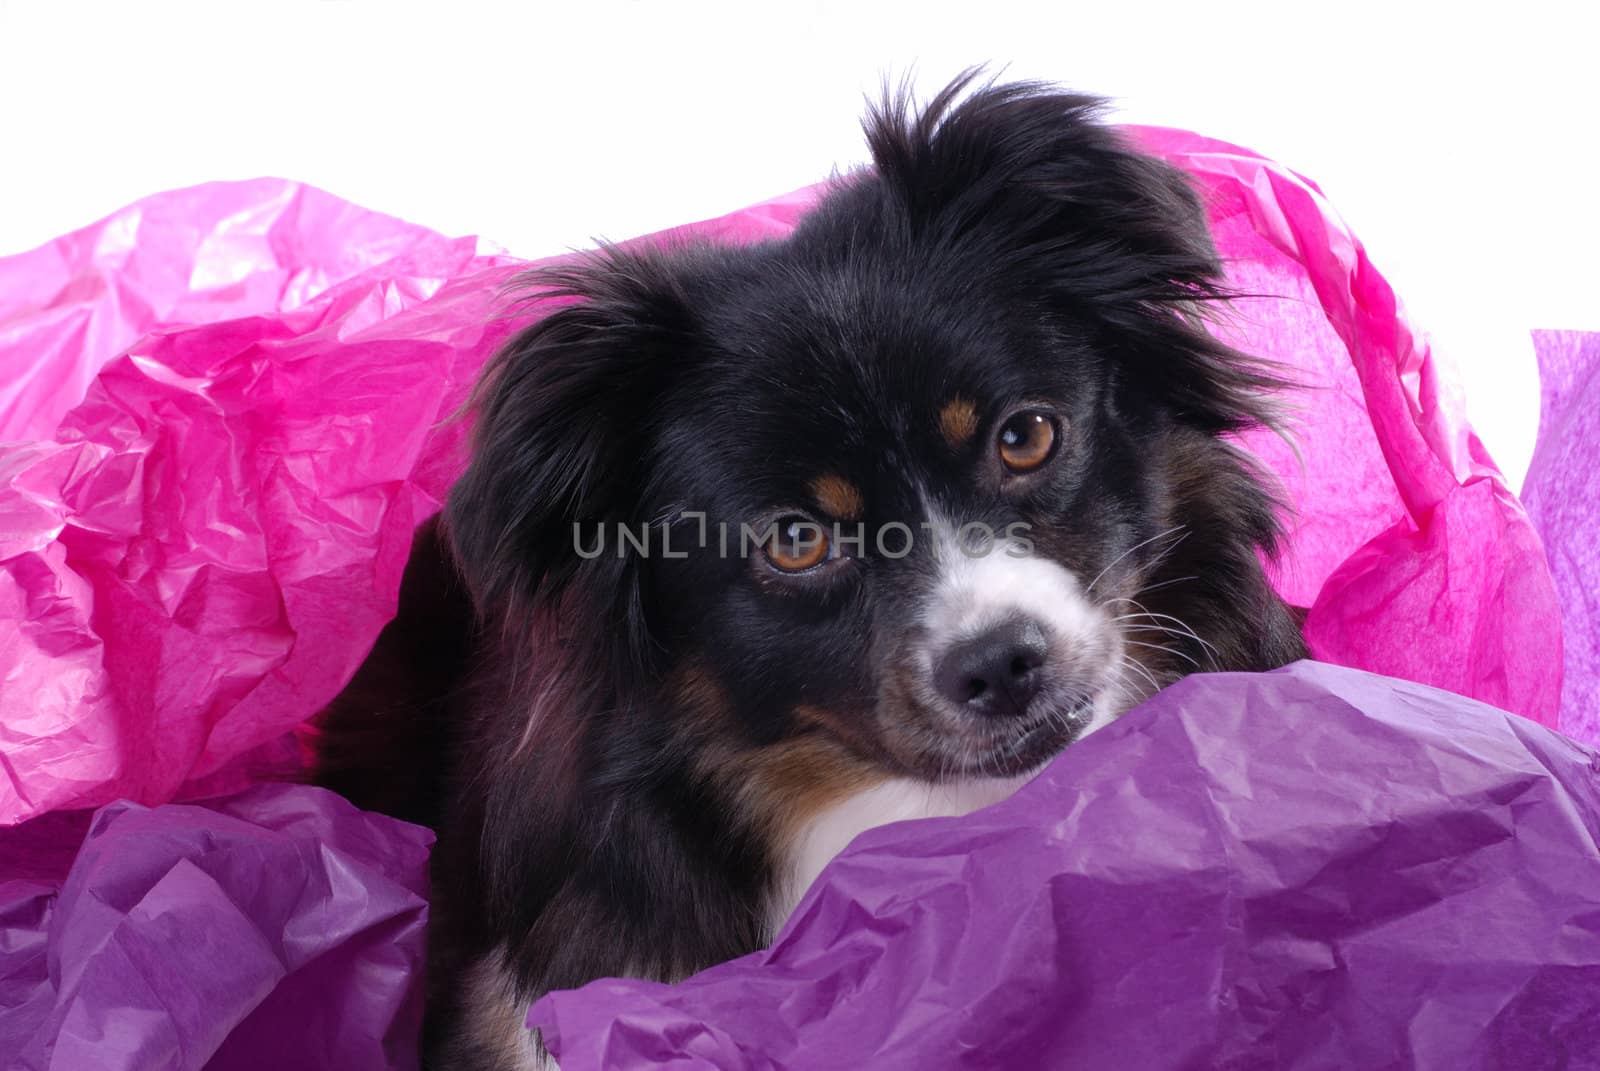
(798, 544)
(1027, 440)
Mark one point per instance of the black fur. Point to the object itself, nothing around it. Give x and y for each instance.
(1006, 248)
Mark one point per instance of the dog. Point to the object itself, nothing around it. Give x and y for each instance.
(762, 546)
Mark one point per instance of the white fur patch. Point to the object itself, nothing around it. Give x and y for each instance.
(827, 833)
(980, 589)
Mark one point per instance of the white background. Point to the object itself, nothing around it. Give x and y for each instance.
(1457, 139)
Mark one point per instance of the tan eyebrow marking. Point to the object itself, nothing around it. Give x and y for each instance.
(958, 421)
(838, 497)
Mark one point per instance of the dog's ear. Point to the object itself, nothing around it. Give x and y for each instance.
(1028, 182)
(564, 415)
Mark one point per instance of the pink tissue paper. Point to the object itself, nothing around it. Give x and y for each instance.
(228, 408)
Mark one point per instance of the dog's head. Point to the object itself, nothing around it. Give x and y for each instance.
(926, 489)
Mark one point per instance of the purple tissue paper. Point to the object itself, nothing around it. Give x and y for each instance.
(1310, 868)
(278, 929)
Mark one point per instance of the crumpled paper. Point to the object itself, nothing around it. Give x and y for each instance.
(1562, 491)
(197, 555)
(1309, 868)
(222, 251)
(1408, 546)
(279, 928)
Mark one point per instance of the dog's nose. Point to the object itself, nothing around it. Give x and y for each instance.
(996, 673)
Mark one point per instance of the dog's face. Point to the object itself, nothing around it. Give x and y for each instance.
(894, 486)
(911, 492)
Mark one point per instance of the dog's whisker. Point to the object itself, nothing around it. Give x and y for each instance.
(1139, 667)
(1168, 649)
(1165, 584)
(1157, 626)
(1160, 559)
(1129, 698)
(1182, 626)
(1142, 543)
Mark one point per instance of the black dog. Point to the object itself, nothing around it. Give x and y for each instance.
(763, 546)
